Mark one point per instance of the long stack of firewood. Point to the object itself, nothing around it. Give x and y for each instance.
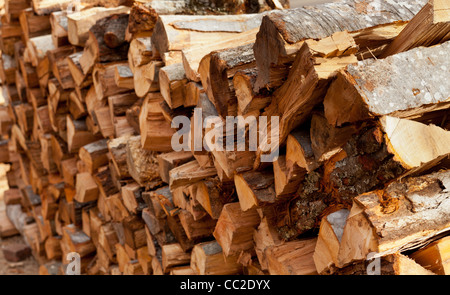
(355, 95)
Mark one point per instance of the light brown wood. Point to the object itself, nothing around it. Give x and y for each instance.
(430, 26)
(142, 164)
(287, 179)
(189, 173)
(94, 155)
(255, 189)
(172, 81)
(78, 134)
(328, 241)
(234, 229)
(156, 131)
(34, 25)
(87, 189)
(173, 255)
(434, 257)
(79, 23)
(208, 259)
(58, 22)
(292, 258)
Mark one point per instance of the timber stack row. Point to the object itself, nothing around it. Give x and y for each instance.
(94, 93)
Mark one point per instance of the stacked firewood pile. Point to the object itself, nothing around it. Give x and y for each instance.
(355, 95)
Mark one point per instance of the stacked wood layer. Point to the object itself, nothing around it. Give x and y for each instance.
(359, 169)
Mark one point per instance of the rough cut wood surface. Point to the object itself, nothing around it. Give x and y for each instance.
(404, 215)
(417, 80)
(281, 32)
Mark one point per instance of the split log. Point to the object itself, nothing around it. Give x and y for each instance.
(189, 173)
(43, 7)
(434, 257)
(38, 47)
(168, 37)
(403, 137)
(327, 140)
(60, 67)
(104, 80)
(173, 255)
(12, 196)
(140, 52)
(96, 50)
(193, 91)
(53, 248)
(94, 155)
(292, 258)
(265, 236)
(104, 121)
(255, 189)
(286, 180)
(213, 195)
(87, 189)
(182, 271)
(299, 150)
(34, 25)
(393, 264)
(7, 228)
(77, 241)
(76, 71)
(116, 208)
(58, 21)
(294, 101)
(124, 77)
(118, 152)
(419, 203)
(76, 106)
(132, 199)
(78, 135)
(156, 131)
(168, 161)
(196, 229)
(429, 27)
(234, 229)
(247, 99)
(219, 84)
(69, 171)
(134, 232)
(142, 164)
(172, 81)
(196, 56)
(29, 74)
(79, 23)
(208, 259)
(352, 100)
(146, 78)
(211, 32)
(328, 241)
(283, 33)
(14, 8)
(8, 68)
